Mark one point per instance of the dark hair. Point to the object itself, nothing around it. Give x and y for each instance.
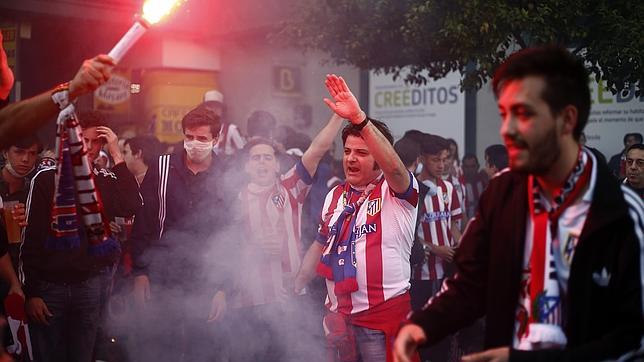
(257, 141)
(202, 116)
(433, 144)
(26, 142)
(472, 156)
(352, 130)
(633, 134)
(636, 146)
(261, 124)
(149, 145)
(451, 141)
(89, 119)
(497, 156)
(566, 79)
(408, 150)
(415, 135)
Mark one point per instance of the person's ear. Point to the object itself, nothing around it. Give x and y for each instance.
(570, 119)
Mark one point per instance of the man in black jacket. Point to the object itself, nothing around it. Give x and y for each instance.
(179, 283)
(63, 287)
(553, 256)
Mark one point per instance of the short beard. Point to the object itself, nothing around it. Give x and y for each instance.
(543, 154)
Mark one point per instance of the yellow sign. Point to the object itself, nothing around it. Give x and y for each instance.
(170, 94)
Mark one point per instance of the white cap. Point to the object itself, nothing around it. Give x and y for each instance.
(295, 152)
(213, 96)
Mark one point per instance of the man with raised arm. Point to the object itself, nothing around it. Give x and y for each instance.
(365, 237)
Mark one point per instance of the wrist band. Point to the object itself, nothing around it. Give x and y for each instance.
(60, 95)
(362, 124)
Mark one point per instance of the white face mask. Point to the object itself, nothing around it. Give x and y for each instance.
(15, 173)
(197, 150)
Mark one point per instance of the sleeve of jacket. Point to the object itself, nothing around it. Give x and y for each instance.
(38, 211)
(124, 191)
(146, 228)
(461, 299)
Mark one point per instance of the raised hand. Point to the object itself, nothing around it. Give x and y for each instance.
(91, 75)
(344, 103)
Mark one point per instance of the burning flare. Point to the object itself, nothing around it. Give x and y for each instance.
(155, 10)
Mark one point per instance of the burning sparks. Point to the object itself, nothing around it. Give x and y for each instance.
(155, 10)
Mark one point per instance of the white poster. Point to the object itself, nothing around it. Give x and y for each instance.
(611, 117)
(437, 107)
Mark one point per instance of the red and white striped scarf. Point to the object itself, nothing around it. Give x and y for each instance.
(74, 185)
(545, 317)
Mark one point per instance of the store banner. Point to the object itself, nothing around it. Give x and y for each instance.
(611, 117)
(437, 107)
(170, 94)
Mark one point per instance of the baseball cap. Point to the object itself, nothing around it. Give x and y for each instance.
(213, 96)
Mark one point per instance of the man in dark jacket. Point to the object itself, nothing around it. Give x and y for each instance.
(553, 256)
(177, 245)
(63, 286)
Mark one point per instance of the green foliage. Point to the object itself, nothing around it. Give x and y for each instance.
(431, 38)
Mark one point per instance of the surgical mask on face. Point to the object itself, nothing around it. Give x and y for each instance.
(197, 150)
(15, 173)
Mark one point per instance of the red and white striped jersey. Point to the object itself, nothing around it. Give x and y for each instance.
(459, 186)
(384, 231)
(274, 210)
(437, 210)
(473, 190)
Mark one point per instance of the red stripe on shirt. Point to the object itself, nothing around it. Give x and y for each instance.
(373, 252)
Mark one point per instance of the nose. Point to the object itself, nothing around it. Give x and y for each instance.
(508, 126)
(351, 157)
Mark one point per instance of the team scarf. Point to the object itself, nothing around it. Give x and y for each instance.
(338, 261)
(74, 182)
(545, 301)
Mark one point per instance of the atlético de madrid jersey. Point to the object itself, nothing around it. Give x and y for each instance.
(384, 234)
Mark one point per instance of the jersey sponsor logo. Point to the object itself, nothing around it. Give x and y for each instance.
(360, 230)
(435, 216)
(374, 206)
(278, 200)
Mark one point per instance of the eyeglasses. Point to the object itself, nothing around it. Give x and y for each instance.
(639, 162)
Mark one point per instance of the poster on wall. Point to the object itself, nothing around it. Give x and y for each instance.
(113, 97)
(611, 117)
(437, 107)
(170, 94)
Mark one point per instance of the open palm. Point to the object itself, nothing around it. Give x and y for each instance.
(344, 103)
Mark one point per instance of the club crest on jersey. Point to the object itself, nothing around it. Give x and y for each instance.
(373, 207)
(278, 200)
(360, 230)
(568, 248)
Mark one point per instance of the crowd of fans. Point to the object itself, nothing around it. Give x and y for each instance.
(219, 238)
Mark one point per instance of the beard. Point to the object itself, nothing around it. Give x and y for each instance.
(541, 155)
